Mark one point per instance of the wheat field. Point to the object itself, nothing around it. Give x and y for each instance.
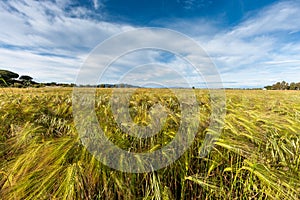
(257, 155)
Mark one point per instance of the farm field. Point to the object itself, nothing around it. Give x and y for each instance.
(257, 155)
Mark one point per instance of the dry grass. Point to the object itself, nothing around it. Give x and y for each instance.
(256, 157)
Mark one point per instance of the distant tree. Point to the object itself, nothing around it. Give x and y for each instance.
(276, 86)
(284, 85)
(7, 77)
(280, 86)
(297, 87)
(292, 86)
(25, 78)
(51, 84)
(268, 87)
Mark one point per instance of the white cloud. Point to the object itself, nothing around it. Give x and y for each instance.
(192, 4)
(283, 16)
(252, 48)
(42, 68)
(96, 4)
(41, 39)
(265, 37)
(32, 19)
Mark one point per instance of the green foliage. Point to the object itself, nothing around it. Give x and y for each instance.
(25, 78)
(7, 77)
(284, 86)
(256, 157)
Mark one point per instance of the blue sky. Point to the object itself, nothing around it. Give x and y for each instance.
(253, 43)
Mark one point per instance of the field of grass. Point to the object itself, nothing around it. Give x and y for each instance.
(256, 157)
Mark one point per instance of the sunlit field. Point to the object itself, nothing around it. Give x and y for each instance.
(256, 157)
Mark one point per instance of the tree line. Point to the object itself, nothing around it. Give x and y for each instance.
(284, 86)
(12, 79)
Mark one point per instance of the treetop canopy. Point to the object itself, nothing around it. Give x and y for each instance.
(7, 75)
